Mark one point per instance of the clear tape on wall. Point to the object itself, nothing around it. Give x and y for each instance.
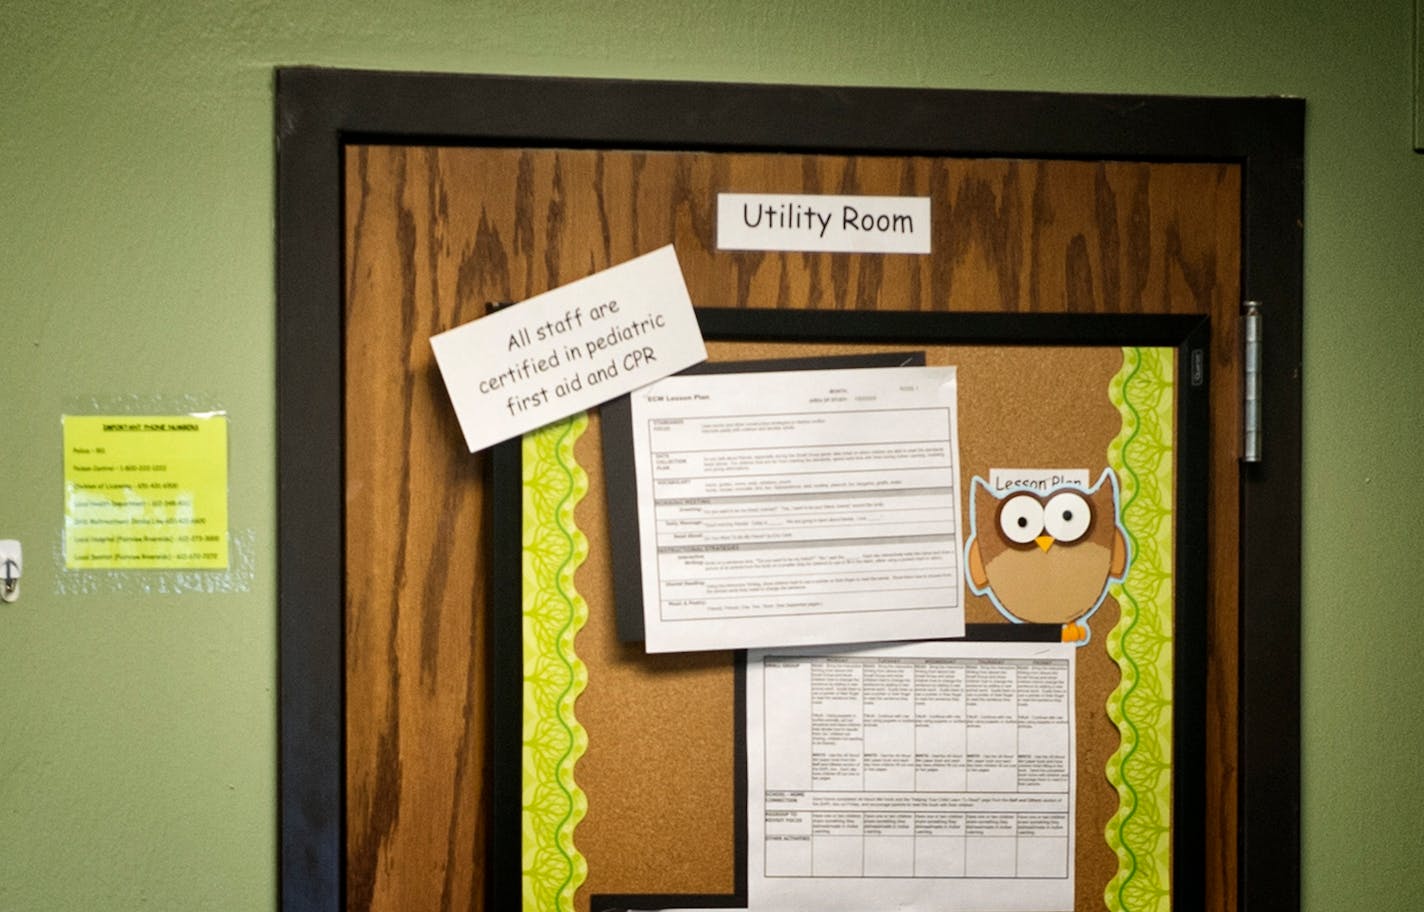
(146, 499)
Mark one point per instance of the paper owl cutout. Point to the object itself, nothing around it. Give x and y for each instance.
(1047, 557)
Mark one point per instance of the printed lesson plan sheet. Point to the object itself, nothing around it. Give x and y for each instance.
(798, 507)
(936, 777)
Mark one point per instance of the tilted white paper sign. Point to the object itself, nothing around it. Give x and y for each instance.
(569, 349)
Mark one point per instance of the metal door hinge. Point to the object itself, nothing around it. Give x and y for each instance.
(1251, 385)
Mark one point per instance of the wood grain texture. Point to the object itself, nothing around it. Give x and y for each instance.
(432, 234)
(415, 576)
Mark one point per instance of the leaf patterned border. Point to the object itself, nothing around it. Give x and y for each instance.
(554, 612)
(1141, 643)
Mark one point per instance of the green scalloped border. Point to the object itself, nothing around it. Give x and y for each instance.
(1141, 643)
(553, 675)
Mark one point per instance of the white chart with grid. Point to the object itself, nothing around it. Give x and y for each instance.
(887, 765)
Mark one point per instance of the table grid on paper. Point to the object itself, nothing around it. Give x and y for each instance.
(919, 767)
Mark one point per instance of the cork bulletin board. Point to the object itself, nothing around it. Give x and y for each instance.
(653, 744)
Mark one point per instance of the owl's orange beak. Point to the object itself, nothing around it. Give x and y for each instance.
(1045, 541)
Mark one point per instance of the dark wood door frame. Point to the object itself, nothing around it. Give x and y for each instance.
(319, 111)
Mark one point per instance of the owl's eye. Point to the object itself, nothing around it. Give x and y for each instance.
(1067, 516)
(1021, 518)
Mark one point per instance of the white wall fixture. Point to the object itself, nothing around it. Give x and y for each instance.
(10, 566)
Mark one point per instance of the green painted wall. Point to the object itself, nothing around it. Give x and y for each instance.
(137, 732)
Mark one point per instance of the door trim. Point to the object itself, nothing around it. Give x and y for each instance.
(319, 111)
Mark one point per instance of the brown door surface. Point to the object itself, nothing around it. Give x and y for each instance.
(431, 234)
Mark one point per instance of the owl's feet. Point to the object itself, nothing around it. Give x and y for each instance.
(1075, 633)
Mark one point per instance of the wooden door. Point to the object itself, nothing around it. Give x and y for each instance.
(430, 233)
(435, 233)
